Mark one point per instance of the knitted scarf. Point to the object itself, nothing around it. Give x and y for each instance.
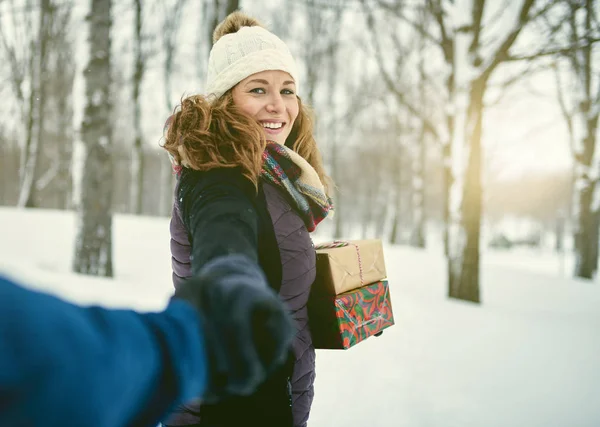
(289, 171)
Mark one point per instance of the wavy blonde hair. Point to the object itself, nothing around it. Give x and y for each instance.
(203, 134)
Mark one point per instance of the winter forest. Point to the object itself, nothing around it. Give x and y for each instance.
(469, 122)
(462, 133)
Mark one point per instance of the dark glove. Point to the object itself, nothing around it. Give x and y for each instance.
(247, 328)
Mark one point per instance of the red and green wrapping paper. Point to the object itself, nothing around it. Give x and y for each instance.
(341, 321)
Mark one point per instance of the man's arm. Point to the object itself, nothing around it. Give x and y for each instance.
(61, 364)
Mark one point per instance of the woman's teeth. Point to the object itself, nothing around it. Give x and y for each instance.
(272, 125)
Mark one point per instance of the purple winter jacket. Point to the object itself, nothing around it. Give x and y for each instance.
(298, 262)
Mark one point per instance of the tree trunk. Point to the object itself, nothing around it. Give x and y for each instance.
(167, 187)
(587, 202)
(93, 245)
(448, 176)
(417, 238)
(232, 6)
(463, 264)
(338, 216)
(395, 237)
(216, 11)
(381, 218)
(4, 158)
(170, 30)
(37, 99)
(65, 149)
(137, 160)
(585, 243)
(367, 213)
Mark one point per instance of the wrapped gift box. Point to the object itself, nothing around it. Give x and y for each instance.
(347, 265)
(341, 321)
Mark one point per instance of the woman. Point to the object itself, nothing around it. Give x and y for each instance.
(251, 182)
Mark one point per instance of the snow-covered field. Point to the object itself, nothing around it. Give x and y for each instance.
(528, 356)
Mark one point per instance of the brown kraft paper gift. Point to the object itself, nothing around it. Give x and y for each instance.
(339, 267)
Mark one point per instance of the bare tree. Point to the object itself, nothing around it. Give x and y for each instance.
(580, 105)
(414, 98)
(212, 12)
(93, 245)
(217, 10)
(469, 65)
(170, 30)
(29, 68)
(54, 184)
(137, 161)
(142, 51)
(17, 35)
(417, 238)
(172, 18)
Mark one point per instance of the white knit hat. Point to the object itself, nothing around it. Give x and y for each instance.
(248, 51)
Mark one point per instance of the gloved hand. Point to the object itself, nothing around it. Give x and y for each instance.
(247, 328)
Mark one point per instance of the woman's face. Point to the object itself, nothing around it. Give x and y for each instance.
(269, 97)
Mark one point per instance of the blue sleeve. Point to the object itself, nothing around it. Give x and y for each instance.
(62, 364)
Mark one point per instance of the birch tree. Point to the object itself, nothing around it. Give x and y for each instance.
(580, 104)
(470, 59)
(55, 178)
(214, 11)
(406, 78)
(27, 56)
(143, 49)
(93, 245)
(417, 238)
(172, 20)
(321, 48)
(137, 161)
(472, 68)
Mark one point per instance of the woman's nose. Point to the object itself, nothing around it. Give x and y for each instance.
(275, 104)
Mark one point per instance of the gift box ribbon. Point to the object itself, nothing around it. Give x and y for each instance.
(341, 244)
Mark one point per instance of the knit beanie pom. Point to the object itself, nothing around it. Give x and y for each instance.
(242, 47)
(233, 23)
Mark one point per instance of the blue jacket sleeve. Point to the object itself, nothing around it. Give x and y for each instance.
(62, 364)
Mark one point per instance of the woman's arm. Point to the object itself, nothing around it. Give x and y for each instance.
(250, 324)
(218, 208)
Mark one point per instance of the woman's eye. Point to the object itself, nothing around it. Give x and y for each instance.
(258, 90)
(287, 92)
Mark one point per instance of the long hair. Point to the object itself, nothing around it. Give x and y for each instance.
(301, 139)
(204, 134)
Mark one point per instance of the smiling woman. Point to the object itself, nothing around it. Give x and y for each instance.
(251, 183)
(270, 98)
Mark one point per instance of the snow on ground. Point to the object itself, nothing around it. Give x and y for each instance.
(528, 356)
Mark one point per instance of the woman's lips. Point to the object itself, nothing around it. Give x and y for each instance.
(273, 131)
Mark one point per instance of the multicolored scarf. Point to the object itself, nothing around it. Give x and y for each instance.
(289, 171)
(293, 174)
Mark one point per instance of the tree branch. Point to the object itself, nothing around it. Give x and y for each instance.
(447, 44)
(574, 55)
(16, 74)
(532, 68)
(543, 11)
(399, 95)
(502, 52)
(551, 52)
(416, 25)
(568, 116)
(477, 15)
